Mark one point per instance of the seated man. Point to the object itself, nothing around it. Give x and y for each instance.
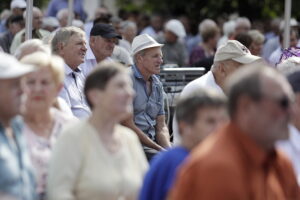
(198, 115)
(149, 116)
(70, 44)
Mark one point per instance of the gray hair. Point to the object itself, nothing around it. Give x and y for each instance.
(63, 35)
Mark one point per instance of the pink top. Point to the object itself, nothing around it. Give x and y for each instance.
(40, 148)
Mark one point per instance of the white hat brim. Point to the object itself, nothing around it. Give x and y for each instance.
(247, 59)
(16, 71)
(147, 47)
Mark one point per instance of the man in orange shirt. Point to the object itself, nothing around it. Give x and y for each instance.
(239, 161)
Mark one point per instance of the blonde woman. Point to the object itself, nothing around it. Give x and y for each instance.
(98, 158)
(43, 122)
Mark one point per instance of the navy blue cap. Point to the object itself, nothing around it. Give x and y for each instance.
(104, 30)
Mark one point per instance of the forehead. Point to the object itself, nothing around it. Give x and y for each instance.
(153, 50)
(77, 37)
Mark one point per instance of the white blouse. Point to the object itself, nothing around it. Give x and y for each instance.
(82, 168)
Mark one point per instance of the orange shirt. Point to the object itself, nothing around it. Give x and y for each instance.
(231, 166)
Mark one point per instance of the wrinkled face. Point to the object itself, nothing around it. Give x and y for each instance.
(151, 61)
(271, 114)
(102, 47)
(207, 121)
(74, 51)
(40, 88)
(117, 97)
(10, 98)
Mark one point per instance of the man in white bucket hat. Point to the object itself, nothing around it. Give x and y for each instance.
(16, 177)
(148, 119)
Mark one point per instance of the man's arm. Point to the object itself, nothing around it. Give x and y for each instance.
(162, 132)
(145, 140)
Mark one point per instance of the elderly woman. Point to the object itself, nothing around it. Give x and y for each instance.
(43, 122)
(98, 158)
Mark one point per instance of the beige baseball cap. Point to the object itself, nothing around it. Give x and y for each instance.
(143, 41)
(234, 50)
(10, 67)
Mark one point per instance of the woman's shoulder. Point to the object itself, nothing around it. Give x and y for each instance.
(126, 132)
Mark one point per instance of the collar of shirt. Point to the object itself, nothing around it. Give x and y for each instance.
(138, 75)
(69, 71)
(257, 155)
(212, 81)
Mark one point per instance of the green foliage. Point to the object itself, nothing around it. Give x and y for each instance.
(199, 9)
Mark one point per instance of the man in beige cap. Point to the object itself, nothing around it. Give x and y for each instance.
(228, 58)
(149, 116)
(15, 170)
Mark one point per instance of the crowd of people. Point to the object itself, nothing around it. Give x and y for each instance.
(82, 108)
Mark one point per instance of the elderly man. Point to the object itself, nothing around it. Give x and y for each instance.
(37, 32)
(149, 116)
(17, 178)
(239, 160)
(198, 114)
(70, 44)
(228, 58)
(103, 38)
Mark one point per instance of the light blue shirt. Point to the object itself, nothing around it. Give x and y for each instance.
(72, 92)
(147, 107)
(16, 177)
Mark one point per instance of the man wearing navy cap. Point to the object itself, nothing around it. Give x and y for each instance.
(103, 38)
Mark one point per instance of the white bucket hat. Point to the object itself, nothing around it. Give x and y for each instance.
(17, 4)
(176, 27)
(143, 41)
(10, 67)
(234, 50)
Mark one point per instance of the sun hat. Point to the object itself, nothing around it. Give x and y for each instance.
(10, 67)
(143, 41)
